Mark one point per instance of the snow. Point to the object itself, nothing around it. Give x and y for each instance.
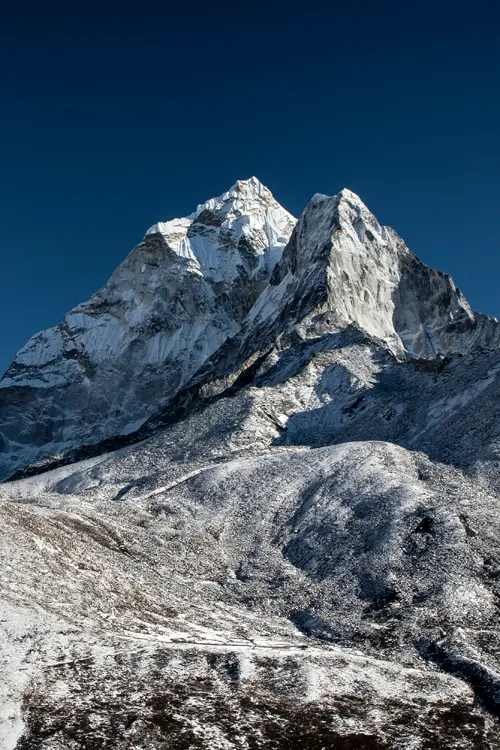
(197, 282)
(167, 308)
(286, 556)
(133, 426)
(246, 210)
(41, 349)
(343, 510)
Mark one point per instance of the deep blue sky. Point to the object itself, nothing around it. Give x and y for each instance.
(113, 118)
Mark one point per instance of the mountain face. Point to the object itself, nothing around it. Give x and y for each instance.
(300, 545)
(218, 276)
(340, 261)
(113, 360)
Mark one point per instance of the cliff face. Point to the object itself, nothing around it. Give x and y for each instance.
(341, 261)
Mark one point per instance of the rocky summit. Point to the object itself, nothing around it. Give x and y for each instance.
(252, 497)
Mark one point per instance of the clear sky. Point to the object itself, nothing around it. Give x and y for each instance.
(113, 118)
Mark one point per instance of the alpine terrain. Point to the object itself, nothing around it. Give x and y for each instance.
(252, 497)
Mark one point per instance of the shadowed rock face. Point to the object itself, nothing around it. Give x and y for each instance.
(301, 547)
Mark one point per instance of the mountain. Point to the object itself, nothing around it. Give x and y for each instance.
(299, 546)
(113, 360)
(218, 278)
(340, 262)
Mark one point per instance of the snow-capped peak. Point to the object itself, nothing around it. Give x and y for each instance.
(240, 267)
(244, 197)
(165, 310)
(239, 195)
(341, 262)
(246, 220)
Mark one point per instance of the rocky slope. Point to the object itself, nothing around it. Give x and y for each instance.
(301, 550)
